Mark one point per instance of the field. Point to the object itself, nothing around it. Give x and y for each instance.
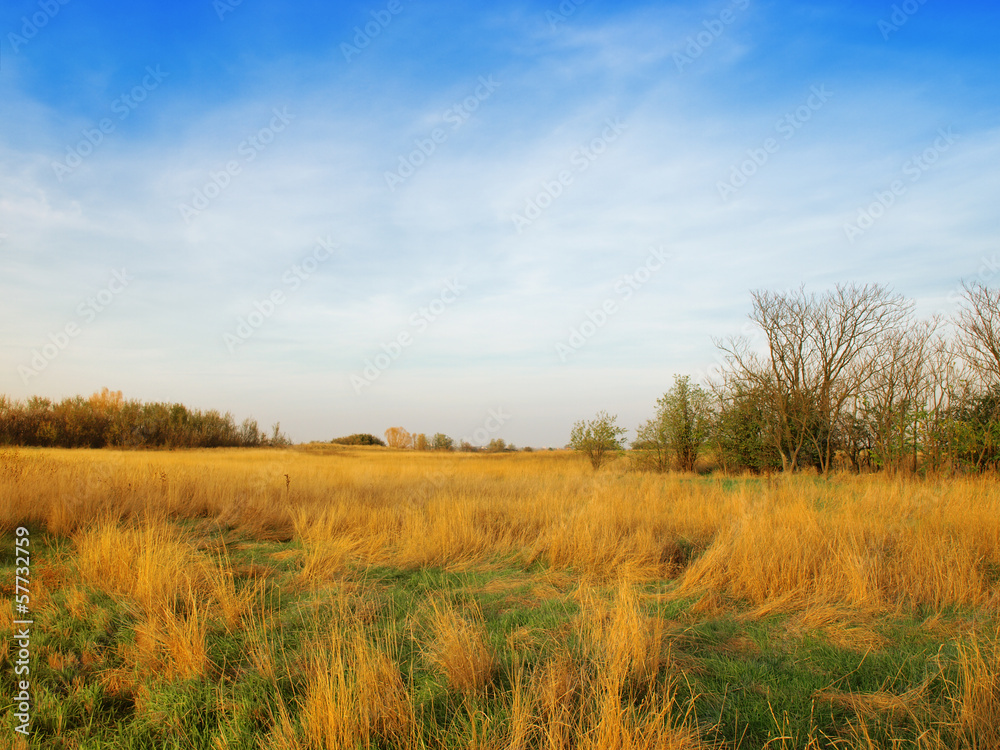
(326, 597)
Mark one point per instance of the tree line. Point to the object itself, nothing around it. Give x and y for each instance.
(108, 420)
(847, 379)
(402, 439)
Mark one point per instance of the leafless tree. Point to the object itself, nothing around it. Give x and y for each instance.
(946, 381)
(899, 393)
(820, 354)
(978, 324)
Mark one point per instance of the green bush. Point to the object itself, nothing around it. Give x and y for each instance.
(359, 438)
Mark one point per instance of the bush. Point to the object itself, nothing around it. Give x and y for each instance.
(680, 428)
(106, 419)
(599, 438)
(360, 438)
(441, 442)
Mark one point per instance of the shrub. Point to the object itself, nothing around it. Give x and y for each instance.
(359, 438)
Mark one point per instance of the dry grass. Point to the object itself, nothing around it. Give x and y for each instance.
(354, 695)
(461, 650)
(966, 718)
(610, 696)
(832, 557)
(149, 564)
(861, 542)
(171, 645)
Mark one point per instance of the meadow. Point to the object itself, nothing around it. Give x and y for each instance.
(332, 597)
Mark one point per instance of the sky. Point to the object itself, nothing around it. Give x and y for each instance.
(488, 221)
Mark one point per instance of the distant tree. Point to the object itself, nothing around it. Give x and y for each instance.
(420, 442)
(359, 438)
(397, 437)
(278, 439)
(467, 447)
(107, 419)
(496, 445)
(250, 434)
(680, 428)
(598, 438)
(441, 442)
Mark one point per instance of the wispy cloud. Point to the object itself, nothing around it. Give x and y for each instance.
(323, 174)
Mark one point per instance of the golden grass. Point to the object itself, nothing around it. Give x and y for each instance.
(863, 542)
(857, 541)
(461, 650)
(607, 697)
(835, 556)
(149, 564)
(967, 719)
(354, 695)
(170, 645)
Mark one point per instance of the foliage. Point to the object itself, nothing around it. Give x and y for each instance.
(598, 438)
(498, 445)
(680, 428)
(397, 437)
(441, 442)
(107, 420)
(740, 436)
(359, 438)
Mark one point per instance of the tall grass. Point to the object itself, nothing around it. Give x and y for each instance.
(460, 649)
(859, 541)
(617, 690)
(835, 555)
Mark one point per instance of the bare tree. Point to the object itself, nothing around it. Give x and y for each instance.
(978, 324)
(898, 397)
(946, 379)
(779, 378)
(820, 355)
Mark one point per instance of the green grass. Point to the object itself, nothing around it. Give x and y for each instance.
(752, 679)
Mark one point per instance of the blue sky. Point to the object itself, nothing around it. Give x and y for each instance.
(353, 216)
